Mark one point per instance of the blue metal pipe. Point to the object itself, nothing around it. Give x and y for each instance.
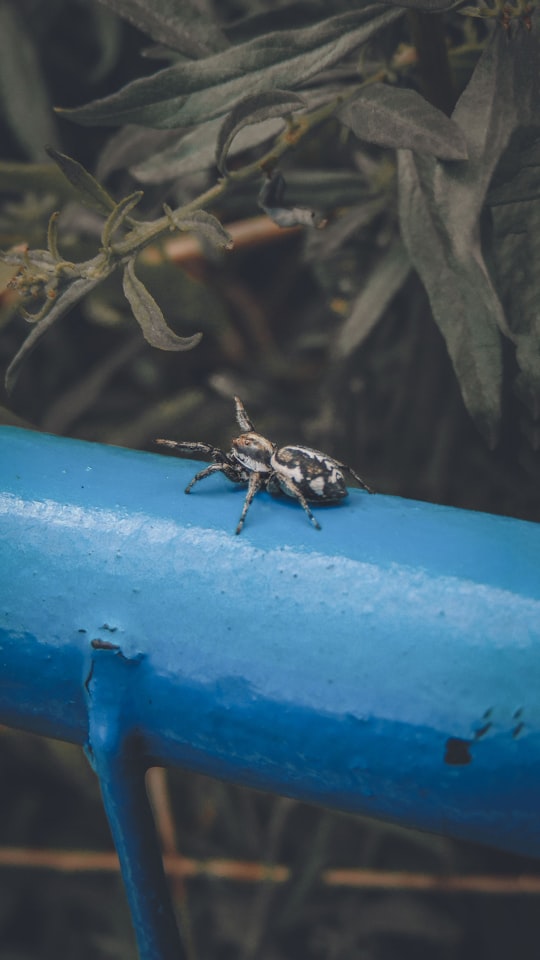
(389, 664)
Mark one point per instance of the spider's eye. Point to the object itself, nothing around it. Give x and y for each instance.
(253, 451)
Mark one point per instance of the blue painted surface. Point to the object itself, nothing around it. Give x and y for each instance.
(340, 666)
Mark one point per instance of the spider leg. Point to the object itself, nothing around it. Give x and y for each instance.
(298, 495)
(213, 468)
(256, 482)
(244, 422)
(358, 479)
(191, 446)
(222, 461)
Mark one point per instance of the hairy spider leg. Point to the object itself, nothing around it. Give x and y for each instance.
(244, 422)
(221, 460)
(213, 468)
(190, 446)
(256, 483)
(298, 495)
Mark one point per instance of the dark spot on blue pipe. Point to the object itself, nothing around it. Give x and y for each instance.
(457, 753)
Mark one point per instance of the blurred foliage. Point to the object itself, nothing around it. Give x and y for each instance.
(398, 330)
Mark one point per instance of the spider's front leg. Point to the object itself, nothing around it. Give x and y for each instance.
(222, 461)
(242, 418)
(257, 481)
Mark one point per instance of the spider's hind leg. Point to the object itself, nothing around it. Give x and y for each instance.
(291, 488)
(353, 474)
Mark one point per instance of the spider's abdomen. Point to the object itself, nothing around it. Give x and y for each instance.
(313, 473)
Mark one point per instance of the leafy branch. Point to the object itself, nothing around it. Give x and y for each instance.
(61, 284)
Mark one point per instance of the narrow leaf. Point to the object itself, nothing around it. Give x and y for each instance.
(118, 216)
(440, 208)
(253, 109)
(149, 316)
(186, 94)
(394, 117)
(203, 223)
(383, 283)
(91, 193)
(463, 300)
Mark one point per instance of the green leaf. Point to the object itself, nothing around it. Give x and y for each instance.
(149, 316)
(179, 24)
(186, 94)
(203, 223)
(194, 150)
(252, 109)
(385, 280)
(440, 209)
(23, 90)
(91, 193)
(76, 290)
(395, 117)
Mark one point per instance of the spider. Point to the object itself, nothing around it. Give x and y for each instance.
(298, 471)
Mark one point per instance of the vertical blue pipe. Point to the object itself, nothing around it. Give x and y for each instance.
(116, 754)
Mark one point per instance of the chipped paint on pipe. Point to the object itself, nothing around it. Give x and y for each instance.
(389, 664)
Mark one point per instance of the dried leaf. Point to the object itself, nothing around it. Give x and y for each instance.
(149, 316)
(249, 110)
(395, 117)
(271, 200)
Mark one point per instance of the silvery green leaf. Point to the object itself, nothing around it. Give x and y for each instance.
(186, 94)
(176, 23)
(149, 316)
(90, 192)
(395, 117)
(76, 290)
(203, 223)
(193, 150)
(254, 108)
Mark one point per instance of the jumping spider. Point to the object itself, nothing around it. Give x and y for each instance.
(298, 471)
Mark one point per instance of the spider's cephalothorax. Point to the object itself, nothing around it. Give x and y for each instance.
(300, 472)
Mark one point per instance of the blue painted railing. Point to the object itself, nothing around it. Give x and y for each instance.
(389, 664)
